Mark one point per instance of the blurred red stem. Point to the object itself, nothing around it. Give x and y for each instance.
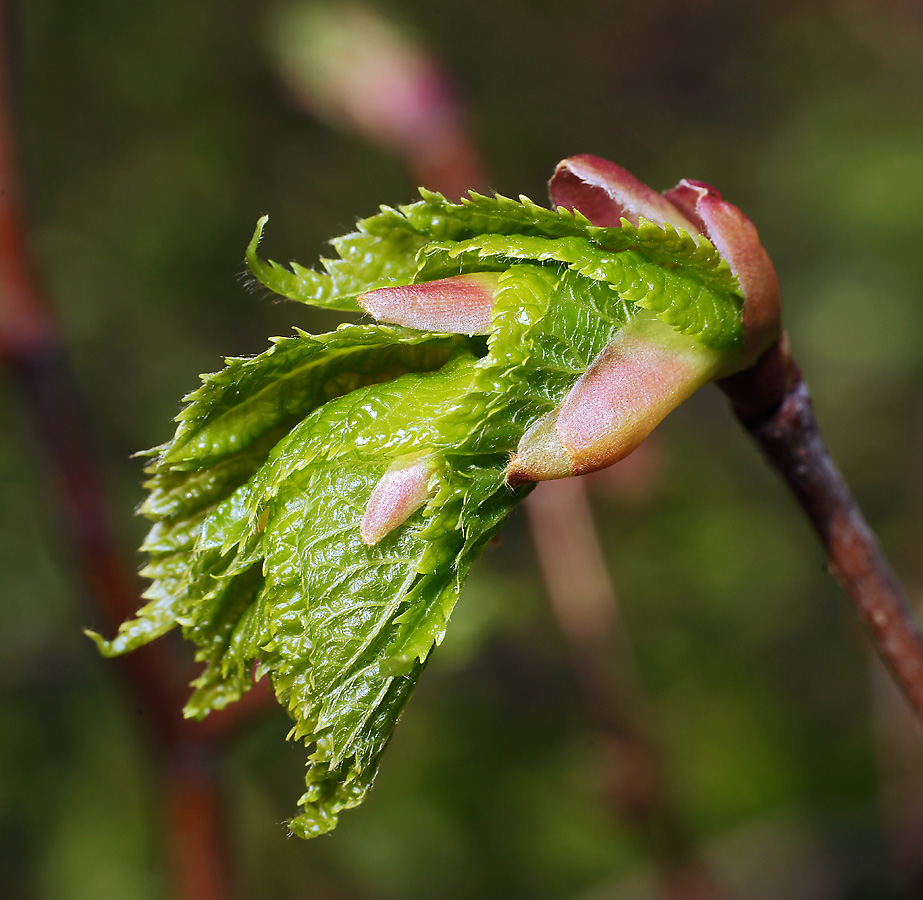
(772, 402)
(585, 607)
(193, 825)
(32, 353)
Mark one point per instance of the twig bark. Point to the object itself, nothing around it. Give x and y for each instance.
(897, 738)
(772, 402)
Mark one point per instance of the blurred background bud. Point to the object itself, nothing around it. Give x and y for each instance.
(357, 70)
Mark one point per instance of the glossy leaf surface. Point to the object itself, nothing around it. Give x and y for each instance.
(258, 501)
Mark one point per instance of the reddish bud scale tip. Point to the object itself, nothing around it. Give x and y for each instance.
(736, 239)
(461, 304)
(606, 193)
(686, 195)
(400, 492)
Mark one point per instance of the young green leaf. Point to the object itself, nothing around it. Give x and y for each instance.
(319, 506)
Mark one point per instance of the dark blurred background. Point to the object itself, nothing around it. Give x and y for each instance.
(152, 136)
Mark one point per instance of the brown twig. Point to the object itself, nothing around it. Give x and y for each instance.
(772, 402)
(897, 739)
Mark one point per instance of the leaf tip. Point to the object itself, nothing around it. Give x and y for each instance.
(102, 645)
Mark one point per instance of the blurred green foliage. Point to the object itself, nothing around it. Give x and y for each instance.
(153, 135)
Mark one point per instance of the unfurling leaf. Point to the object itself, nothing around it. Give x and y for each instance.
(318, 508)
